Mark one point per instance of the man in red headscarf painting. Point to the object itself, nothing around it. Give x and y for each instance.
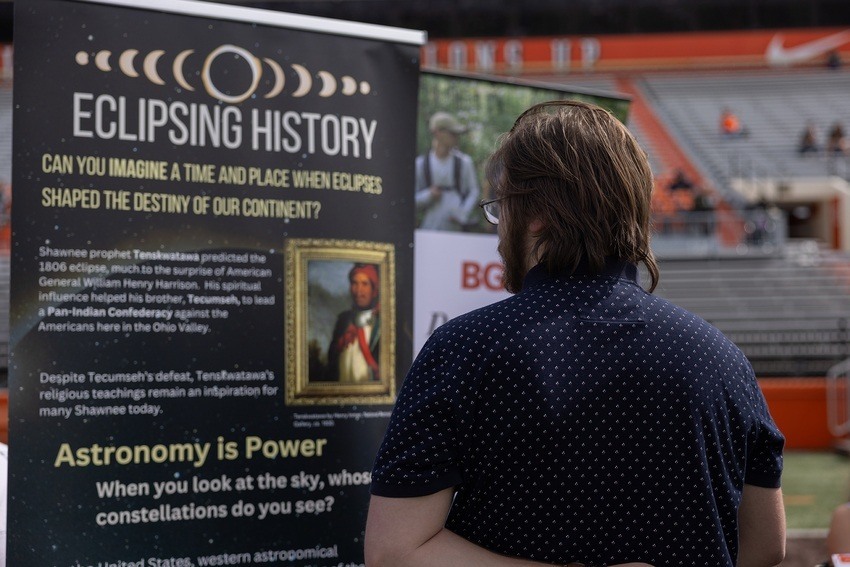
(353, 352)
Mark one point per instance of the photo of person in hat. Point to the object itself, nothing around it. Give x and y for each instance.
(354, 349)
(446, 182)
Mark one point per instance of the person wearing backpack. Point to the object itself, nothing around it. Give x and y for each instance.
(446, 182)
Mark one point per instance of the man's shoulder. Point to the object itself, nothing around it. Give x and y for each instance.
(462, 341)
(481, 320)
(677, 324)
(669, 313)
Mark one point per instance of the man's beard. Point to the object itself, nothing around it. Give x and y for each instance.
(513, 253)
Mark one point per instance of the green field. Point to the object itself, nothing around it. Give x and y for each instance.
(813, 483)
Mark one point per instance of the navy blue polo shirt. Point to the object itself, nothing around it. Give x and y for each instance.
(584, 419)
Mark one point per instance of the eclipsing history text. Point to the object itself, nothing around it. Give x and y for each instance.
(108, 117)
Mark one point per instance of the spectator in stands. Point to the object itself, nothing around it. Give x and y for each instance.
(730, 124)
(681, 182)
(833, 60)
(808, 140)
(836, 142)
(759, 224)
(704, 208)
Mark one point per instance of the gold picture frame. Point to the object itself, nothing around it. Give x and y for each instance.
(308, 308)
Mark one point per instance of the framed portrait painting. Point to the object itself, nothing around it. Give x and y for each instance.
(340, 322)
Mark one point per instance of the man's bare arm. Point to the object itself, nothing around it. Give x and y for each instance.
(761, 527)
(410, 532)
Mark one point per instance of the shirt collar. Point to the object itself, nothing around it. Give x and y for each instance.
(613, 268)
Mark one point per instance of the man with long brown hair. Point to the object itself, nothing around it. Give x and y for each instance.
(582, 419)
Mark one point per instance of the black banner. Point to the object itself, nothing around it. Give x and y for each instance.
(211, 284)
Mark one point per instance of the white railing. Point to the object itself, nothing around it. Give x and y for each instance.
(722, 232)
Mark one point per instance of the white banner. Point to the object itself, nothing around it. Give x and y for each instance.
(454, 273)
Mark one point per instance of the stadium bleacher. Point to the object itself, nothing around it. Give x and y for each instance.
(790, 314)
(774, 106)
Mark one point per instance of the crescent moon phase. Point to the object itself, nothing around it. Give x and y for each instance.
(150, 66)
(328, 84)
(279, 78)
(101, 60)
(349, 86)
(305, 80)
(125, 62)
(177, 67)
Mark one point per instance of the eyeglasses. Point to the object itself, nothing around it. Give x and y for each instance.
(492, 209)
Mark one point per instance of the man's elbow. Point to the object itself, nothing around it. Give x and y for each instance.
(768, 554)
(774, 549)
(374, 557)
(380, 554)
(776, 555)
(761, 517)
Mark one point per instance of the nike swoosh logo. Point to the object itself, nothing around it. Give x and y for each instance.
(779, 56)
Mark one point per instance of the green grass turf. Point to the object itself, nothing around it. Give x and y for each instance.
(813, 484)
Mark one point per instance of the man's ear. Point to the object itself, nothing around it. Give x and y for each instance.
(536, 227)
